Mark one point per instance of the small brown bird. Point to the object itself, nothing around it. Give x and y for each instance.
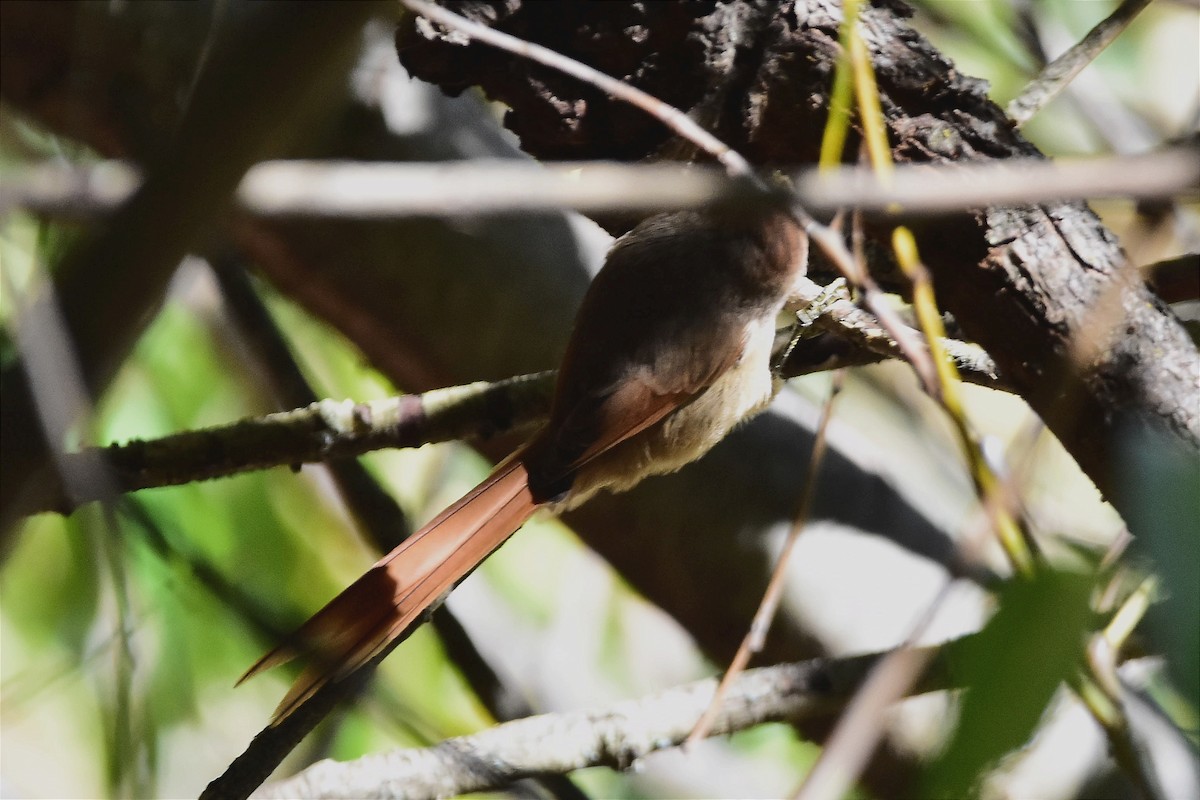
(671, 349)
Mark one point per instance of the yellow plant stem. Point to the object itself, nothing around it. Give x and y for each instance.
(987, 485)
(930, 322)
(1121, 626)
(833, 140)
(855, 73)
(869, 108)
(1091, 685)
(1098, 687)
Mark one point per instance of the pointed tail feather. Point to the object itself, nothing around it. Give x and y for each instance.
(390, 600)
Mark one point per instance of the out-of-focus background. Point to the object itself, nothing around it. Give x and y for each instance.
(123, 629)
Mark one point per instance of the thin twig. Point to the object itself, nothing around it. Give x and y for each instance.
(1062, 70)
(387, 190)
(753, 642)
(841, 318)
(860, 727)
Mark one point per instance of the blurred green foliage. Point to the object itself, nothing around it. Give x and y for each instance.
(1012, 668)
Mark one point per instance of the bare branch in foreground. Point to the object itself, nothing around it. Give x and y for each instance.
(933, 190)
(386, 190)
(615, 737)
(860, 728)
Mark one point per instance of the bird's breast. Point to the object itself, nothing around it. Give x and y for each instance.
(737, 394)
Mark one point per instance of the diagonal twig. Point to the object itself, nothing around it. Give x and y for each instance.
(1062, 70)
(670, 116)
(752, 643)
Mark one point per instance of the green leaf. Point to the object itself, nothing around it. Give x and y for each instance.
(1012, 670)
(1161, 480)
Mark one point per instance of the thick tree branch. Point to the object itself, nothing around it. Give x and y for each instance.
(615, 737)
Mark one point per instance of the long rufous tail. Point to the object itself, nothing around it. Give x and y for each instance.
(389, 600)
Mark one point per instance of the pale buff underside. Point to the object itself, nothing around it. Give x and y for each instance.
(693, 430)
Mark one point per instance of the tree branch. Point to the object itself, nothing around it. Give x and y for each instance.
(1060, 72)
(325, 430)
(382, 190)
(840, 335)
(614, 737)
